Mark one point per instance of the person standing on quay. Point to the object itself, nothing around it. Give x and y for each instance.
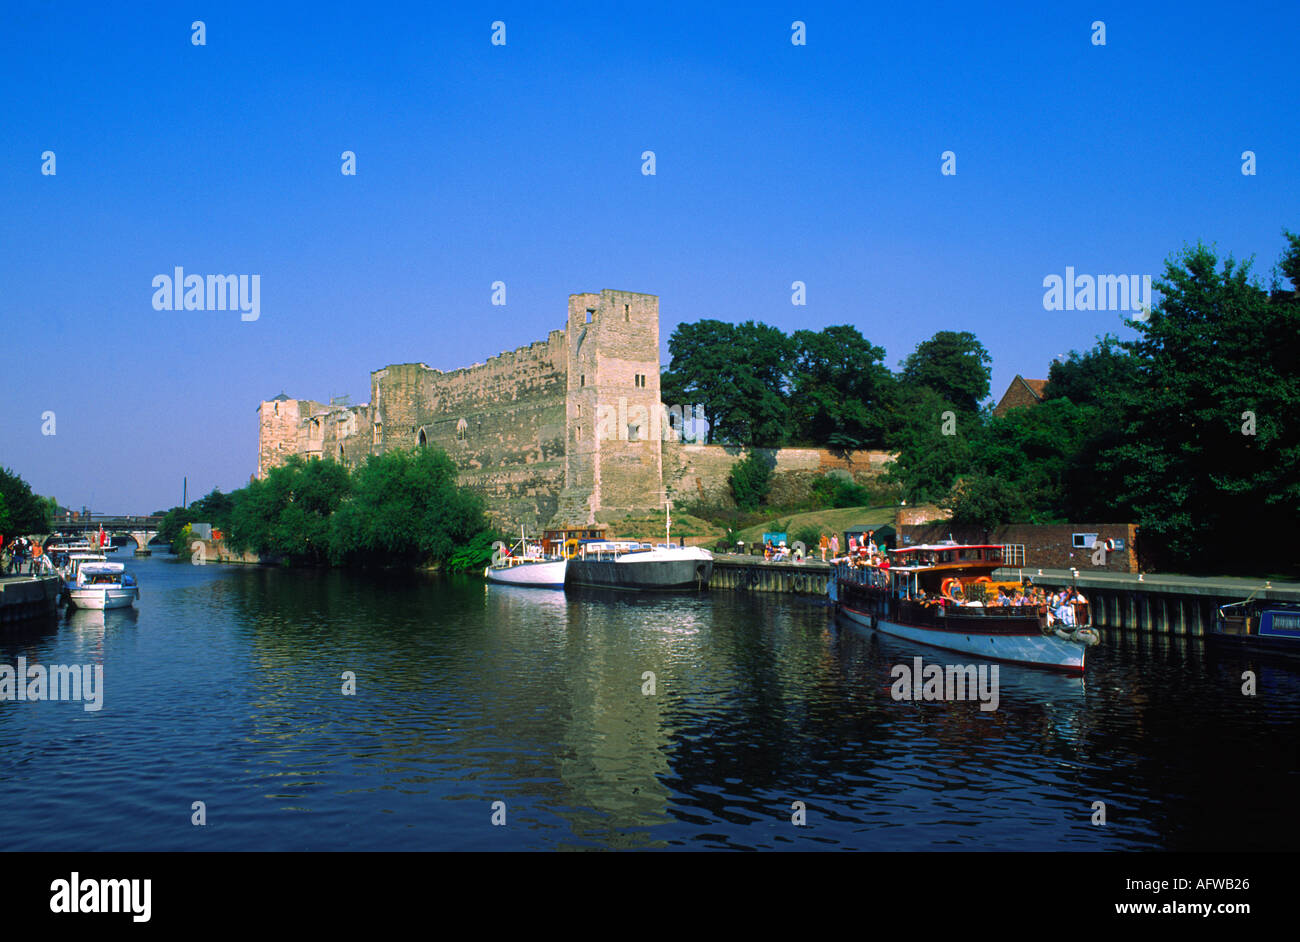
(823, 545)
(835, 545)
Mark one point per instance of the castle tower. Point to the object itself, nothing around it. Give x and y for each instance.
(613, 454)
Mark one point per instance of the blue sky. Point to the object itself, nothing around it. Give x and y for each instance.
(478, 163)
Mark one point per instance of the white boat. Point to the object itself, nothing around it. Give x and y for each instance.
(103, 586)
(68, 571)
(530, 567)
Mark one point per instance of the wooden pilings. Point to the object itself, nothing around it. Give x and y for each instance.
(755, 574)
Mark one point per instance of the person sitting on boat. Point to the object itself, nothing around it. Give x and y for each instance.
(1065, 612)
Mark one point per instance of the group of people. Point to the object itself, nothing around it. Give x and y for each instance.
(776, 553)
(21, 554)
(861, 551)
(1058, 605)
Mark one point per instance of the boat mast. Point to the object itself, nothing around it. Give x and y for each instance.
(668, 521)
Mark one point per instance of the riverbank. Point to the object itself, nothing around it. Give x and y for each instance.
(28, 597)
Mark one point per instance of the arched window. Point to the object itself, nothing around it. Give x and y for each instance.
(462, 430)
(341, 456)
(423, 438)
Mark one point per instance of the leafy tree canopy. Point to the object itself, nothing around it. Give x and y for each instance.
(955, 365)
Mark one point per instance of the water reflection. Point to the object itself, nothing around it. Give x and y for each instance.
(229, 683)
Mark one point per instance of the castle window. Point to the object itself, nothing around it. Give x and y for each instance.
(340, 451)
(591, 314)
(379, 432)
(577, 433)
(582, 379)
(639, 380)
(579, 410)
(462, 430)
(423, 439)
(626, 316)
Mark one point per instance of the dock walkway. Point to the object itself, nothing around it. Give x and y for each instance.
(24, 597)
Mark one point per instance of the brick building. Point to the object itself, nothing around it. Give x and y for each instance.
(1046, 546)
(1021, 392)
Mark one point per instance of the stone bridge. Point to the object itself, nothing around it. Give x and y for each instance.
(140, 529)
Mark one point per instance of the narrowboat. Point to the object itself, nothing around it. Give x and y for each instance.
(1258, 626)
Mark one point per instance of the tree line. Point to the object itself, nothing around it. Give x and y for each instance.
(398, 508)
(22, 511)
(1190, 429)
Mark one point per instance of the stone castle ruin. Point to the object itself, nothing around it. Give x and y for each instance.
(566, 431)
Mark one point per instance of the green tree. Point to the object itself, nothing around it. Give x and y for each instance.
(28, 513)
(751, 479)
(984, 501)
(953, 364)
(1210, 449)
(929, 459)
(406, 507)
(1036, 453)
(288, 513)
(738, 373)
(841, 391)
(699, 370)
(1095, 377)
(6, 525)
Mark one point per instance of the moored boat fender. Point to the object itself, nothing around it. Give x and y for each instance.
(951, 588)
(1084, 636)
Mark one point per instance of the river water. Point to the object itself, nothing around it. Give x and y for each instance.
(224, 686)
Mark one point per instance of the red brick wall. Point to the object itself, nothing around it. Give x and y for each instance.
(1047, 546)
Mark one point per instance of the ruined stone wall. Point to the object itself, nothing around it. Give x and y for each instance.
(613, 456)
(700, 473)
(502, 422)
(281, 431)
(565, 430)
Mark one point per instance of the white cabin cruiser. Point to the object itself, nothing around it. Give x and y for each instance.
(103, 586)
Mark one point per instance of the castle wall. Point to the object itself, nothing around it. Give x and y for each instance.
(563, 431)
(700, 473)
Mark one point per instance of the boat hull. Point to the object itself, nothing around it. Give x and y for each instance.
(1045, 651)
(540, 575)
(647, 574)
(104, 597)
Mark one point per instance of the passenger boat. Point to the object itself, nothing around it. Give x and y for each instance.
(103, 586)
(529, 567)
(940, 594)
(1258, 626)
